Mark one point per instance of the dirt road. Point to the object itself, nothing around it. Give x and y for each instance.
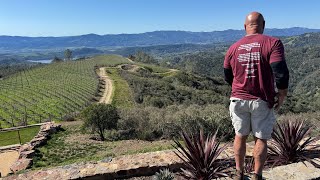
(130, 60)
(107, 94)
(106, 98)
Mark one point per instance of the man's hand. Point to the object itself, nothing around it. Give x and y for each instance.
(282, 94)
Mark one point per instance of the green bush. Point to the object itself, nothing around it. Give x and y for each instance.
(100, 117)
(143, 123)
(151, 123)
(209, 118)
(182, 88)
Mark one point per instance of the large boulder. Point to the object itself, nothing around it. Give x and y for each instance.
(36, 142)
(25, 147)
(21, 164)
(27, 154)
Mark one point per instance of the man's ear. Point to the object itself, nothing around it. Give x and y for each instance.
(245, 27)
(263, 25)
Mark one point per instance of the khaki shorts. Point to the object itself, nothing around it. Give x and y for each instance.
(252, 116)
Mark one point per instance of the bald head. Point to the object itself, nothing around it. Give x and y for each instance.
(254, 23)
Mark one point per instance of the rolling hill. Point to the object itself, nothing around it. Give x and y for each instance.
(302, 56)
(57, 90)
(18, 43)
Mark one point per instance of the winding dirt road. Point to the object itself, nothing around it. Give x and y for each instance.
(107, 94)
(130, 60)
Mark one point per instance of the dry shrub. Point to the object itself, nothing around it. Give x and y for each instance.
(153, 123)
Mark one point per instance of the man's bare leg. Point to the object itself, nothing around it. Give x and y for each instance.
(239, 148)
(260, 155)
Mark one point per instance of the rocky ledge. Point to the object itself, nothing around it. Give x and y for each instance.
(27, 151)
(147, 164)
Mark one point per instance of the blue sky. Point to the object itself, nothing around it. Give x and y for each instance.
(76, 17)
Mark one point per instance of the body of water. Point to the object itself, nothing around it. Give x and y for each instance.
(40, 61)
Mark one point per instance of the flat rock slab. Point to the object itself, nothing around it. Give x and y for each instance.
(119, 167)
(6, 160)
(9, 147)
(21, 164)
(298, 171)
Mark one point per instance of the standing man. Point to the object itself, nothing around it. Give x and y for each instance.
(253, 66)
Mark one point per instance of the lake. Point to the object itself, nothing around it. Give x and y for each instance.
(41, 61)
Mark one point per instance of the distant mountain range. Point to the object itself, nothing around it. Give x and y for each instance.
(13, 43)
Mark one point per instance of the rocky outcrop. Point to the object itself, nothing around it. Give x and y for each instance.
(21, 164)
(27, 151)
(14, 147)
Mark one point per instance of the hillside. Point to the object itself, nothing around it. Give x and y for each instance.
(51, 92)
(175, 88)
(34, 94)
(57, 90)
(17, 43)
(303, 59)
(307, 39)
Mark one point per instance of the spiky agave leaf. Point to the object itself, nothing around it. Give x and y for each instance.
(200, 156)
(290, 143)
(249, 164)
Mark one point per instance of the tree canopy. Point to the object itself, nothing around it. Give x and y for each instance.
(100, 117)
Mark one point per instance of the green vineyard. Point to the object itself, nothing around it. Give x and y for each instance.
(50, 92)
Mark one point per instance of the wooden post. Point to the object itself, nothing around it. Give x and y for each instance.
(12, 121)
(25, 116)
(19, 136)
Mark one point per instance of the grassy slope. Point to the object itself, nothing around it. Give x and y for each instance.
(72, 146)
(155, 68)
(110, 60)
(50, 91)
(121, 95)
(12, 137)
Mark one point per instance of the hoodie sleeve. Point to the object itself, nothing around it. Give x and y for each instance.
(228, 74)
(279, 65)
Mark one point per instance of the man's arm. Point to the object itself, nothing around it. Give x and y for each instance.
(282, 94)
(280, 72)
(228, 76)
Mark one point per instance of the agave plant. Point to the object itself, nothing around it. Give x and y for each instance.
(200, 156)
(163, 175)
(291, 143)
(249, 164)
